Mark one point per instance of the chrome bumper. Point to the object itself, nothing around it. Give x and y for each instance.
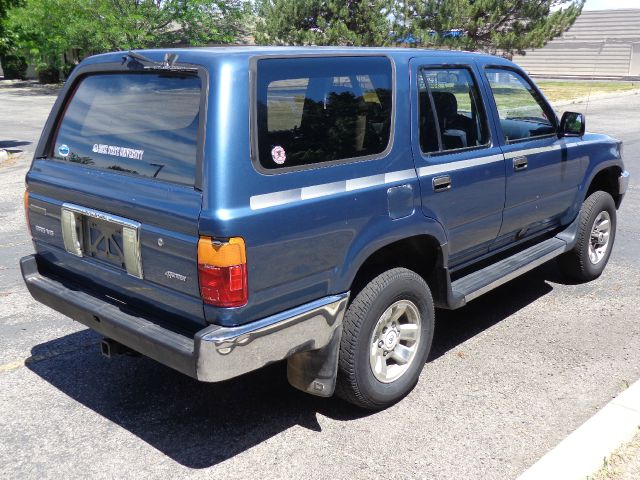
(623, 182)
(308, 336)
(224, 353)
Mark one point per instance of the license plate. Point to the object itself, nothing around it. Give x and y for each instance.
(108, 238)
(103, 240)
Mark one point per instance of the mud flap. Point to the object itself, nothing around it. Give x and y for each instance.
(315, 371)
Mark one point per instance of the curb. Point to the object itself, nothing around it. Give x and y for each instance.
(595, 97)
(582, 453)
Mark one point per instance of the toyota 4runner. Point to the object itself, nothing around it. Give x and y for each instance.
(221, 209)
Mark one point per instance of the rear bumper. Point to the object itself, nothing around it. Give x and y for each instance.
(215, 353)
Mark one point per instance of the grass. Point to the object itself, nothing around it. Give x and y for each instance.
(561, 90)
(623, 464)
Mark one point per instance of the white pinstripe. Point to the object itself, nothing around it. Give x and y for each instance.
(267, 200)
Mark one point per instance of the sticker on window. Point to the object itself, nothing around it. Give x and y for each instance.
(63, 151)
(118, 151)
(278, 154)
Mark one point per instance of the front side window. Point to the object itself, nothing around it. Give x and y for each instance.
(316, 110)
(523, 112)
(451, 116)
(135, 123)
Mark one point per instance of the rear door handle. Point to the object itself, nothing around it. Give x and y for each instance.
(520, 163)
(441, 183)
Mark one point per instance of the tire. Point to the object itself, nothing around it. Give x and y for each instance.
(395, 293)
(585, 262)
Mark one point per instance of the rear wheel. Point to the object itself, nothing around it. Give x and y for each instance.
(388, 329)
(596, 234)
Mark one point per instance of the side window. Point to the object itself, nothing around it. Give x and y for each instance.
(322, 109)
(450, 110)
(523, 112)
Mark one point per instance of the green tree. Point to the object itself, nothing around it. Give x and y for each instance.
(5, 5)
(495, 26)
(128, 24)
(5, 36)
(48, 29)
(38, 30)
(318, 22)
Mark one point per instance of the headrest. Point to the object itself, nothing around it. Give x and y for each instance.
(446, 104)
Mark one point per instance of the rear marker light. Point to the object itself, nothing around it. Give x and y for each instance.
(222, 272)
(26, 210)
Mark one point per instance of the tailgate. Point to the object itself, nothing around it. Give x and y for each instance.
(114, 200)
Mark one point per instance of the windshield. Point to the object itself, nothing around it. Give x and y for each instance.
(135, 123)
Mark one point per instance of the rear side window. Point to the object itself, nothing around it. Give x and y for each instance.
(451, 113)
(316, 110)
(133, 123)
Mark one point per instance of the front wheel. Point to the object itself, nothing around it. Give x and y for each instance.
(595, 237)
(387, 334)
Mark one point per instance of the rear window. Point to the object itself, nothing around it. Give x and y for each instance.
(316, 110)
(133, 123)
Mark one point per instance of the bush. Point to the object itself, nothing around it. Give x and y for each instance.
(67, 68)
(14, 67)
(48, 74)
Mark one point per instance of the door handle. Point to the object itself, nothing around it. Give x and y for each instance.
(520, 163)
(441, 183)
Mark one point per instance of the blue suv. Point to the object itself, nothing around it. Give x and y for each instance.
(218, 210)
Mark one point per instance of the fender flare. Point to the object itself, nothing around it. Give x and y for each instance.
(379, 235)
(595, 171)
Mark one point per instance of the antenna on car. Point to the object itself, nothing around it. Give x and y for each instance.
(170, 59)
(593, 75)
(149, 64)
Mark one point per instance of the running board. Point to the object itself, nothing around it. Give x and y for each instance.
(482, 281)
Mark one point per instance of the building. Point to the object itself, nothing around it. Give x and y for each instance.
(600, 44)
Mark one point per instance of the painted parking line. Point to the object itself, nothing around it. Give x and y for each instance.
(583, 452)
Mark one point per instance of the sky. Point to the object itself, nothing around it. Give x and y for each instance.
(609, 4)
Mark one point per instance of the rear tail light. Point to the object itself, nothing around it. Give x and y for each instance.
(222, 272)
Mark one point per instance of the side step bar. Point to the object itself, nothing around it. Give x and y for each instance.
(482, 281)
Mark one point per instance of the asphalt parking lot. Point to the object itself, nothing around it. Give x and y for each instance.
(510, 375)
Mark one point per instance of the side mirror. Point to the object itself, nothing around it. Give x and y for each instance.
(572, 125)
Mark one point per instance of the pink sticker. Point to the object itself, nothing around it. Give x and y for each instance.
(278, 154)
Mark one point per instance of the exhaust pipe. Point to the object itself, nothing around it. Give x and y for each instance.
(110, 348)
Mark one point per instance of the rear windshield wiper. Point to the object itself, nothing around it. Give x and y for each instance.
(168, 65)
